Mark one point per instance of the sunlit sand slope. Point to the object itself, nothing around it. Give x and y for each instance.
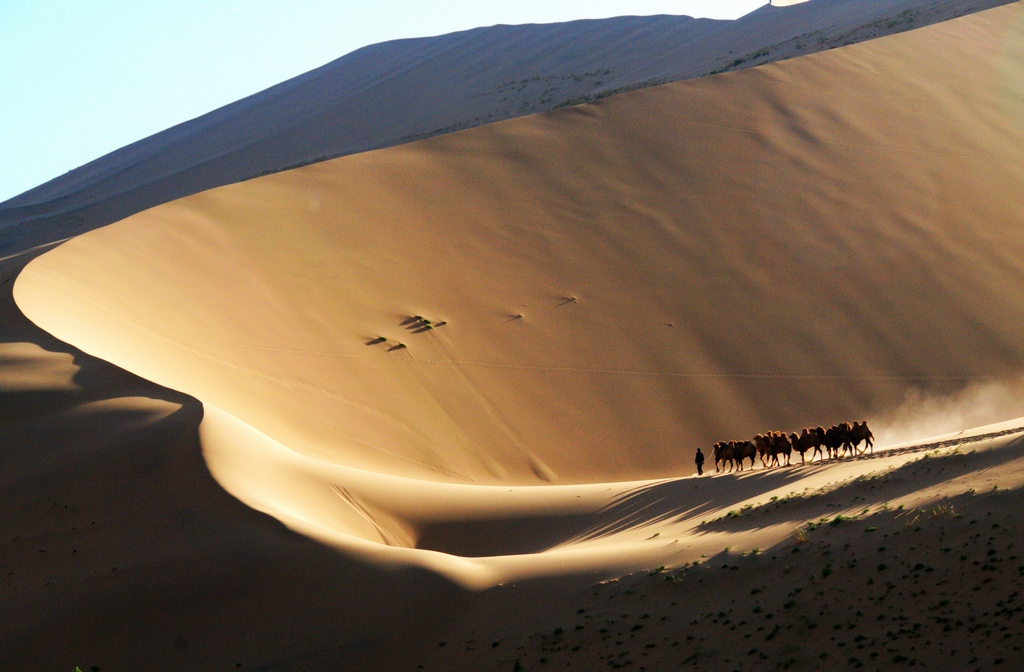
(396, 92)
(618, 282)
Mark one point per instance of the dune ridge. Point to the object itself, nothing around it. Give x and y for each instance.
(652, 237)
(399, 91)
(801, 243)
(386, 342)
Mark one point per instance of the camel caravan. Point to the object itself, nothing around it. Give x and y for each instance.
(775, 448)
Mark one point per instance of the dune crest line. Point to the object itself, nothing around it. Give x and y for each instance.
(810, 244)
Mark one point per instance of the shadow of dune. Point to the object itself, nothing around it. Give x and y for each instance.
(120, 550)
(673, 501)
(499, 536)
(865, 492)
(971, 506)
(661, 502)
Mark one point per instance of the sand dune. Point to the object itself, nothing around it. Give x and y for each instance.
(577, 297)
(916, 566)
(606, 287)
(618, 282)
(395, 92)
(119, 550)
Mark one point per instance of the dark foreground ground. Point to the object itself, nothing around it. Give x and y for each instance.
(932, 587)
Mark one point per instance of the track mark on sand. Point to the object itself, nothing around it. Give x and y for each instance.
(572, 369)
(386, 536)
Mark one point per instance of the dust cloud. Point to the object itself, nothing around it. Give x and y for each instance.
(923, 415)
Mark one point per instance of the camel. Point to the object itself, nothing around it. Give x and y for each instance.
(860, 432)
(807, 440)
(718, 452)
(838, 437)
(730, 454)
(819, 432)
(723, 452)
(833, 441)
(846, 432)
(743, 450)
(763, 444)
(780, 445)
(771, 445)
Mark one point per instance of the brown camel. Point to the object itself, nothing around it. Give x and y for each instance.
(846, 431)
(722, 452)
(833, 441)
(744, 450)
(780, 445)
(804, 442)
(860, 432)
(838, 438)
(764, 446)
(820, 433)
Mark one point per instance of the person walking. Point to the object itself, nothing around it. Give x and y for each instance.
(699, 461)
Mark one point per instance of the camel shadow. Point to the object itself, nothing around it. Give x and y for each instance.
(899, 482)
(677, 500)
(644, 506)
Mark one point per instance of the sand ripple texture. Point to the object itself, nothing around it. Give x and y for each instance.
(492, 353)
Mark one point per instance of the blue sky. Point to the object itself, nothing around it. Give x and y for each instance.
(80, 78)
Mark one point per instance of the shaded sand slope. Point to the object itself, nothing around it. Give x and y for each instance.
(787, 245)
(394, 92)
(119, 550)
(203, 583)
(914, 566)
